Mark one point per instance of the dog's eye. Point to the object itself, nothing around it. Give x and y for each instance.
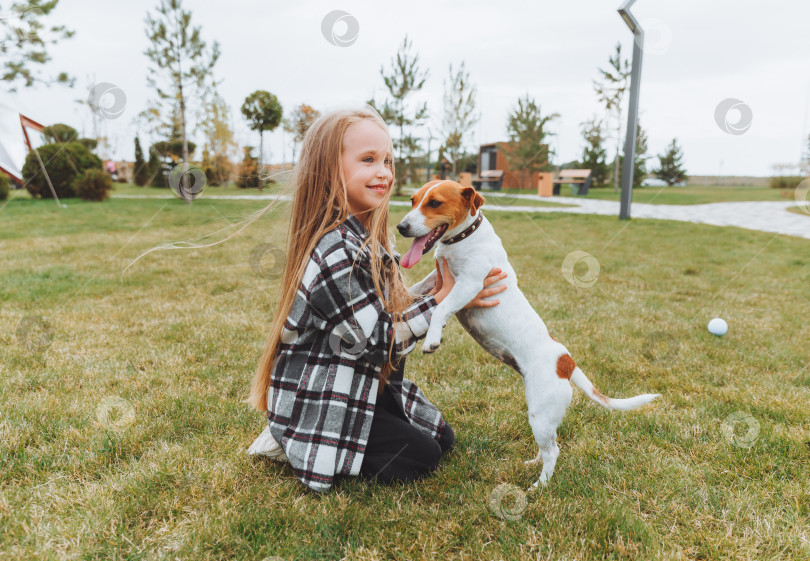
(434, 203)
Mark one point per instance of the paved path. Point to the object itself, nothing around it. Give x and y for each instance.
(766, 216)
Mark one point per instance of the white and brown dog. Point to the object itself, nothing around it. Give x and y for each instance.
(446, 213)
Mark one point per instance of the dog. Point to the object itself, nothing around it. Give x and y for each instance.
(445, 214)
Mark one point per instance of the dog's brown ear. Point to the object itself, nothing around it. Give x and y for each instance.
(473, 198)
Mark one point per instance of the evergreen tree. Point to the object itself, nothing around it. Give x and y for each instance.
(141, 172)
(594, 155)
(671, 167)
(527, 130)
(180, 71)
(640, 164)
(154, 168)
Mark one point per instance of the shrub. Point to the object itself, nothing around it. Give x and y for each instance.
(217, 170)
(785, 182)
(248, 174)
(93, 185)
(60, 133)
(63, 162)
(5, 185)
(157, 176)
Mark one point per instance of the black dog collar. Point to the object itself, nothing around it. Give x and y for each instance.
(470, 229)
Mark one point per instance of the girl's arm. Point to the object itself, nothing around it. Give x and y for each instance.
(425, 285)
(342, 297)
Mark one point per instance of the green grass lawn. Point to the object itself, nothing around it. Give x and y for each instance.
(124, 436)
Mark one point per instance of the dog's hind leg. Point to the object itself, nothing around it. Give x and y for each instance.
(545, 415)
(549, 454)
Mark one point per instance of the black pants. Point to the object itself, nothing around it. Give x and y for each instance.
(398, 451)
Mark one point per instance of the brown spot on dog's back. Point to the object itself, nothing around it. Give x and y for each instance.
(565, 366)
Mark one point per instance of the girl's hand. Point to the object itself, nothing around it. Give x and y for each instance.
(445, 285)
(494, 276)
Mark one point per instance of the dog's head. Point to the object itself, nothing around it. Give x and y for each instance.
(436, 207)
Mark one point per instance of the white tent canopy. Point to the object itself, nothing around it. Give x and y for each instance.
(13, 147)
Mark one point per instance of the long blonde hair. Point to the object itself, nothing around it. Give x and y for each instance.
(319, 204)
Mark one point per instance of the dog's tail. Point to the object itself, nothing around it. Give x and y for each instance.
(579, 378)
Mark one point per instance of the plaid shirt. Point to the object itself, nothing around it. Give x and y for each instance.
(334, 343)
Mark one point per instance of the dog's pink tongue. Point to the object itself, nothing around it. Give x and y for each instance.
(415, 253)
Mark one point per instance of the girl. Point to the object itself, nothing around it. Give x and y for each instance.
(331, 375)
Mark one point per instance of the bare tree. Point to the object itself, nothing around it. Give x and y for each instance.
(299, 122)
(459, 112)
(610, 91)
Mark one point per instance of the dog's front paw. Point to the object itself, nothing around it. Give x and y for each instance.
(432, 342)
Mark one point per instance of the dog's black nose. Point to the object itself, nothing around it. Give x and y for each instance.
(403, 228)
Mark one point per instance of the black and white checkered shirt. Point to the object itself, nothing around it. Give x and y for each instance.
(335, 340)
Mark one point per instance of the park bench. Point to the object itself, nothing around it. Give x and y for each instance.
(581, 178)
(493, 177)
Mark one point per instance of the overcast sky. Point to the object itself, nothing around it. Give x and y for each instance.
(698, 54)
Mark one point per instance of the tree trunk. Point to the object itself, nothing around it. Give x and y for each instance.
(184, 190)
(261, 156)
(616, 161)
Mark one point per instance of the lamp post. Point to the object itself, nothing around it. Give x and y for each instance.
(632, 114)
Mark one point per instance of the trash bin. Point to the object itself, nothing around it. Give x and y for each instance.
(545, 187)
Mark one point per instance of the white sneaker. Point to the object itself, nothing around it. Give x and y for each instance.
(266, 445)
